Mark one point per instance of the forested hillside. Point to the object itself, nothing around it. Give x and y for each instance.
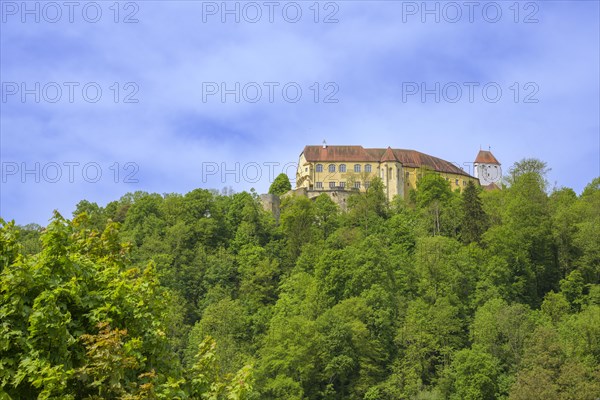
(472, 295)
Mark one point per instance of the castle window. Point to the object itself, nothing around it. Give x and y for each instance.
(331, 185)
(464, 183)
(367, 184)
(342, 184)
(368, 168)
(319, 185)
(306, 169)
(342, 167)
(407, 175)
(319, 167)
(331, 167)
(356, 167)
(456, 182)
(357, 185)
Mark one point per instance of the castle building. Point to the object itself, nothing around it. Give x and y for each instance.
(488, 170)
(339, 168)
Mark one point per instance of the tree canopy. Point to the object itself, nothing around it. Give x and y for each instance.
(448, 295)
(281, 185)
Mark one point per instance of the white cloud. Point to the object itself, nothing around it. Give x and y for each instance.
(369, 53)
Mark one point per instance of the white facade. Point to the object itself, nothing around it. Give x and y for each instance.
(487, 169)
(488, 173)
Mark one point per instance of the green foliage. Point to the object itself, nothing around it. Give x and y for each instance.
(531, 167)
(474, 220)
(367, 210)
(429, 336)
(326, 215)
(281, 185)
(560, 365)
(227, 320)
(524, 240)
(297, 223)
(208, 382)
(109, 358)
(79, 322)
(10, 246)
(473, 375)
(436, 203)
(502, 330)
(472, 295)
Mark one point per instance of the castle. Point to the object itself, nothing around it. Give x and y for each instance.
(341, 168)
(339, 171)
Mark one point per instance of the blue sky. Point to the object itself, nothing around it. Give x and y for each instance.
(443, 78)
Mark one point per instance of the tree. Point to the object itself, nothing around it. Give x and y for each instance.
(249, 222)
(10, 248)
(297, 223)
(558, 364)
(502, 330)
(351, 356)
(56, 311)
(209, 382)
(259, 277)
(473, 375)
(474, 220)
(529, 166)
(367, 209)
(288, 364)
(442, 269)
(281, 185)
(524, 240)
(572, 288)
(96, 215)
(326, 215)
(417, 300)
(428, 337)
(29, 238)
(587, 236)
(227, 321)
(433, 194)
(555, 306)
(563, 209)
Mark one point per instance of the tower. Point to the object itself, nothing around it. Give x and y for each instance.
(487, 169)
(391, 174)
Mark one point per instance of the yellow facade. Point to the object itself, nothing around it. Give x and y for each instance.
(397, 179)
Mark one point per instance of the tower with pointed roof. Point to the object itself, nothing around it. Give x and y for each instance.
(487, 169)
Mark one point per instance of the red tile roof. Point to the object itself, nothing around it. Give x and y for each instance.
(491, 186)
(388, 155)
(408, 158)
(486, 157)
(337, 153)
